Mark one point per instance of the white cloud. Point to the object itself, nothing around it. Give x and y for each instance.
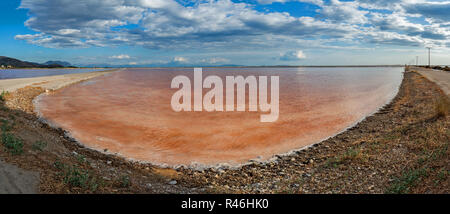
(226, 25)
(122, 56)
(317, 2)
(293, 56)
(180, 59)
(338, 11)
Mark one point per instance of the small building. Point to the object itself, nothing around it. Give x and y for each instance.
(9, 66)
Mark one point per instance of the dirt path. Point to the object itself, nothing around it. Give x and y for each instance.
(14, 180)
(442, 78)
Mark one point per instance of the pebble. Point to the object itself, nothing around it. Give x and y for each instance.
(172, 182)
(109, 162)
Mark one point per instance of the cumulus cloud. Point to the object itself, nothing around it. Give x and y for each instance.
(340, 12)
(436, 11)
(180, 59)
(293, 56)
(224, 24)
(162, 24)
(316, 2)
(122, 56)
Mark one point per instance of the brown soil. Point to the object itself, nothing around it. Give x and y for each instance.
(401, 149)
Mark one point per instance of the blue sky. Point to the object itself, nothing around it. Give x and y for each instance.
(218, 32)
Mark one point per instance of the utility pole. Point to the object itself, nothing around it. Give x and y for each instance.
(429, 57)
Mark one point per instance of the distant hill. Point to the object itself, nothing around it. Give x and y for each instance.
(15, 63)
(63, 63)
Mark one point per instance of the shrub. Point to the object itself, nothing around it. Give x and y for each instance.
(442, 106)
(39, 145)
(76, 177)
(3, 94)
(12, 144)
(125, 181)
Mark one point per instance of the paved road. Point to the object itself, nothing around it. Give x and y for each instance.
(442, 78)
(14, 180)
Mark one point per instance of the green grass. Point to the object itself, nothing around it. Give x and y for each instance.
(3, 94)
(12, 144)
(5, 127)
(77, 178)
(349, 155)
(442, 176)
(408, 180)
(125, 181)
(80, 158)
(39, 145)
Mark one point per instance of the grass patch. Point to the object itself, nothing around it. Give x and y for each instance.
(125, 181)
(77, 178)
(5, 127)
(80, 158)
(408, 180)
(348, 156)
(3, 94)
(442, 176)
(13, 144)
(39, 145)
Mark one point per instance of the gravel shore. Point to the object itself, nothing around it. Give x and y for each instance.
(401, 149)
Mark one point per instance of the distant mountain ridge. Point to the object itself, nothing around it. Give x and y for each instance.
(15, 63)
(63, 63)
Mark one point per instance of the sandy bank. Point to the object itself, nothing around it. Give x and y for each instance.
(49, 82)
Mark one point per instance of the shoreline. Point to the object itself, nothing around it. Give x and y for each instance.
(50, 82)
(192, 181)
(224, 165)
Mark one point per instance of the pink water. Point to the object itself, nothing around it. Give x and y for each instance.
(129, 113)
